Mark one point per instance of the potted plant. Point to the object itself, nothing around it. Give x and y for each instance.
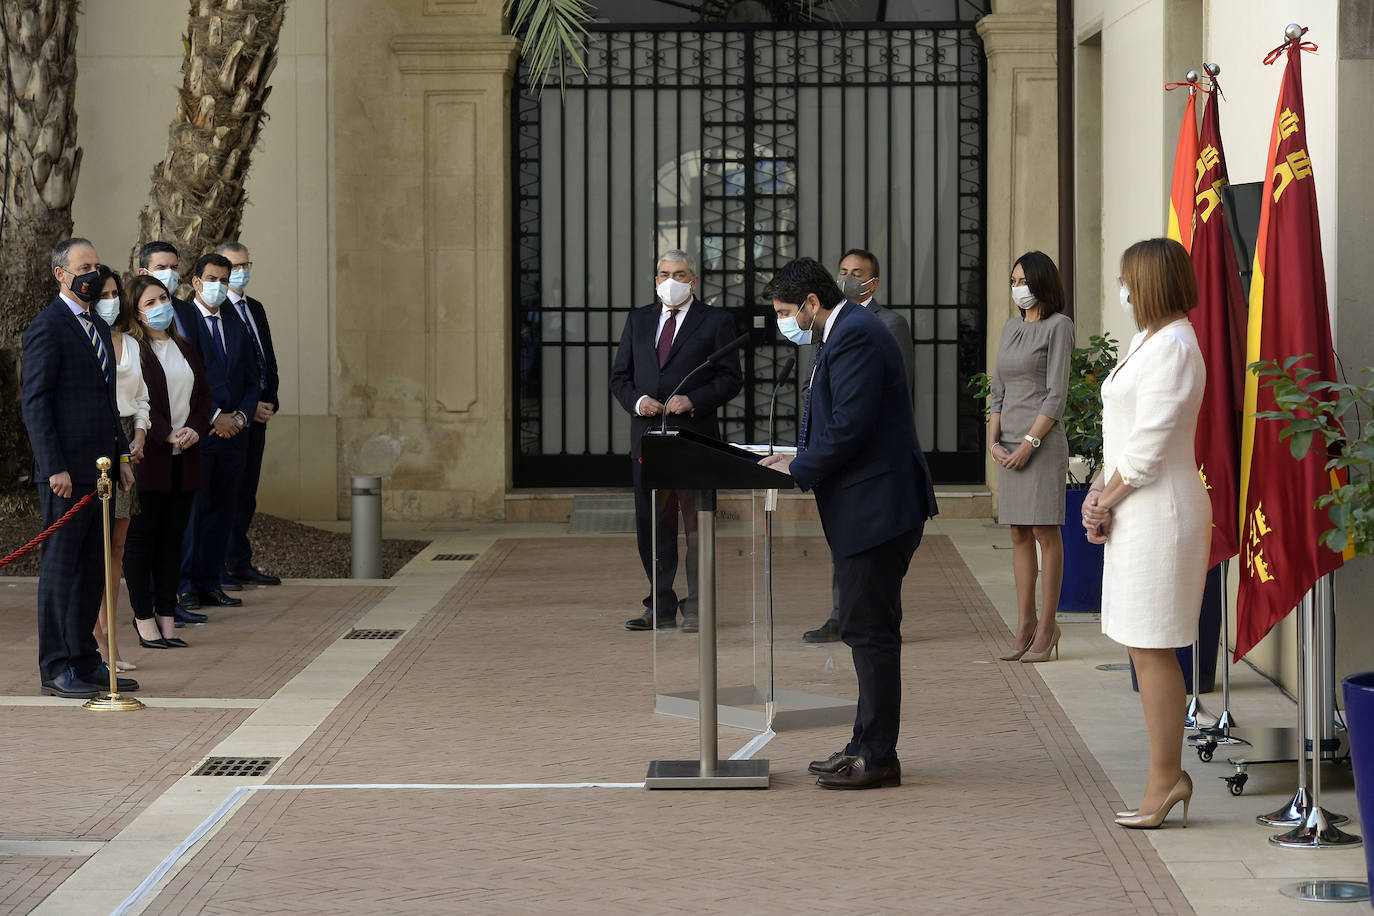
(1088, 368)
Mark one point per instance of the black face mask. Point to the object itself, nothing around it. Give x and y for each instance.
(87, 287)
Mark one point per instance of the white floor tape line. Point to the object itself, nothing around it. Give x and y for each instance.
(238, 795)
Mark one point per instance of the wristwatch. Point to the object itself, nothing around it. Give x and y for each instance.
(242, 421)
(1035, 443)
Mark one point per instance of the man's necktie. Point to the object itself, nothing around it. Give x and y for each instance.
(665, 338)
(215, 336)
(257, 347)
(101, 356)
(806, 404)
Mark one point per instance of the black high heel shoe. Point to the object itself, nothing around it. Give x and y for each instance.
(149, 643)
(173, 642)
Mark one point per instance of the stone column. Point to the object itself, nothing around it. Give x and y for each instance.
(1022, 152)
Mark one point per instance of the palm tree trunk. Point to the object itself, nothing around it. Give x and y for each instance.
(197, 195)
(40, 162)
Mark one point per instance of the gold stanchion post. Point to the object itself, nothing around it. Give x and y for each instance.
(104, 488)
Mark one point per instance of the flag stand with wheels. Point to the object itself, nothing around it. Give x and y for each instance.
(1207, 739)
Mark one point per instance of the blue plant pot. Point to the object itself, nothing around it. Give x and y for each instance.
(1082, 588)
(1358, 690)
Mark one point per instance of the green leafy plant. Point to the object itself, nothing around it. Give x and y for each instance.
(1082, 419)
(1330, 417)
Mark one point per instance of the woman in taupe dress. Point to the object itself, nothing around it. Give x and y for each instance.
(1026, 437)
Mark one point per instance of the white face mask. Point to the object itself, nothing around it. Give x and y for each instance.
(108, 309)
(212, 293)
(673, 293)
(1126, 305)
(168, 277)
(1023, 297)
(238, 278)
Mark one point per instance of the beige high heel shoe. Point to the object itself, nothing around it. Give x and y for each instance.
(1181, 792)
(1029, 656)
(1014, 654)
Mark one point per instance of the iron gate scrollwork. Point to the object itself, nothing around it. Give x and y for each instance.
(749, 146)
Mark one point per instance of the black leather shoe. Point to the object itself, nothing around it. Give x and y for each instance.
(857, 775)
(70, 686)
(647, 623)
(100, 677)
(229, 584)
(188, 601)
(831, 764)
(217, 598)
(826, 632)
(145, 643)
(184, 617)
(255, 576)
(689, 624)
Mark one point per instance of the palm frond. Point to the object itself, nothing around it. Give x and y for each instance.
(554, 36)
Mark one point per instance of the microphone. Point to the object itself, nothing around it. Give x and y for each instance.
(728, 348)
(772, 402)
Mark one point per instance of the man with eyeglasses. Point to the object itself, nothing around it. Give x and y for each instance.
(660, 345)
(238, 560)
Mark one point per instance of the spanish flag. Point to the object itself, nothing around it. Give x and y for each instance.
(1185, 161)
(1280, 531)
(1219, 321)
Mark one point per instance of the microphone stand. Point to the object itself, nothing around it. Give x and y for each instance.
(772, 401)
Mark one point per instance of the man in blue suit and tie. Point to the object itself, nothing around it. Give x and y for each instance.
(69, 410)
(233, 376)
(857, 449)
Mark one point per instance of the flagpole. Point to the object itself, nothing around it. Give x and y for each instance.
(1317, 829)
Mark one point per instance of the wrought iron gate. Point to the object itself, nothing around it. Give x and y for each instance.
(751, 146)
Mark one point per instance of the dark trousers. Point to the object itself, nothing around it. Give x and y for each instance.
(71, 582)
(871, 625)
(240, 552)
(212, 516)
(152, 549)
(664, 518)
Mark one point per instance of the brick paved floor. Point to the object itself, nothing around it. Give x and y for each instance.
(524, 673)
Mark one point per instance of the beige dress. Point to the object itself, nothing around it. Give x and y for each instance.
(1156, 556)
(131, 397)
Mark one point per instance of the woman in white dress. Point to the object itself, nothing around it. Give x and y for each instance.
(1149, 507)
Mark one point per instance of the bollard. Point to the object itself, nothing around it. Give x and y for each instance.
(367, 527)
(112, 702)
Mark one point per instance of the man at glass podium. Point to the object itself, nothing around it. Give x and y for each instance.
(662, 347)
(857, 448)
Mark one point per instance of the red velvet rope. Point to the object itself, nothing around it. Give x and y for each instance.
(81, 504)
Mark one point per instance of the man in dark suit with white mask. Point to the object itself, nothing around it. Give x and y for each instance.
(660, 346)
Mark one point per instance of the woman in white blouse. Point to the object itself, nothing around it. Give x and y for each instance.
(1149, 506)
(131, 397)
(169, 475)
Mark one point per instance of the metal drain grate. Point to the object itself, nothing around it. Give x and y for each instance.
(235, 766)
(454, 556)
(373, 634)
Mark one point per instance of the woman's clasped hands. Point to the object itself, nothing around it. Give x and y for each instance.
(1097, 519)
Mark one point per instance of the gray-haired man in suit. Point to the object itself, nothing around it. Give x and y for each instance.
(859, 279)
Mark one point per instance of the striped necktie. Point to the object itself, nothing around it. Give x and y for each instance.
(257, 345)
(100, 355)
(806, 404)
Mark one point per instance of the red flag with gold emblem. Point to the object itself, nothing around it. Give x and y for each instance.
(1280, 531)
(1219, 321)
(1181, 192)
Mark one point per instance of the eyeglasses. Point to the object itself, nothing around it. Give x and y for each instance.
(246, 265)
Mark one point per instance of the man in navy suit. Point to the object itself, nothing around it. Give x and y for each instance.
(232, 374)
(659, 347)
(69, 410)
(238, 562)
(857, 449)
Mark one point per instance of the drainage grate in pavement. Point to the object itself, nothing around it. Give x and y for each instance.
(454, 556)
(373, 634)
(602, 515)
(235, 766)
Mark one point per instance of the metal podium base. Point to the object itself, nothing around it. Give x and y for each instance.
(687, 774)
(742, 707)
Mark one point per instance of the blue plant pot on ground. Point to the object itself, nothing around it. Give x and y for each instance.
(1358, 690)
(1082, 588)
